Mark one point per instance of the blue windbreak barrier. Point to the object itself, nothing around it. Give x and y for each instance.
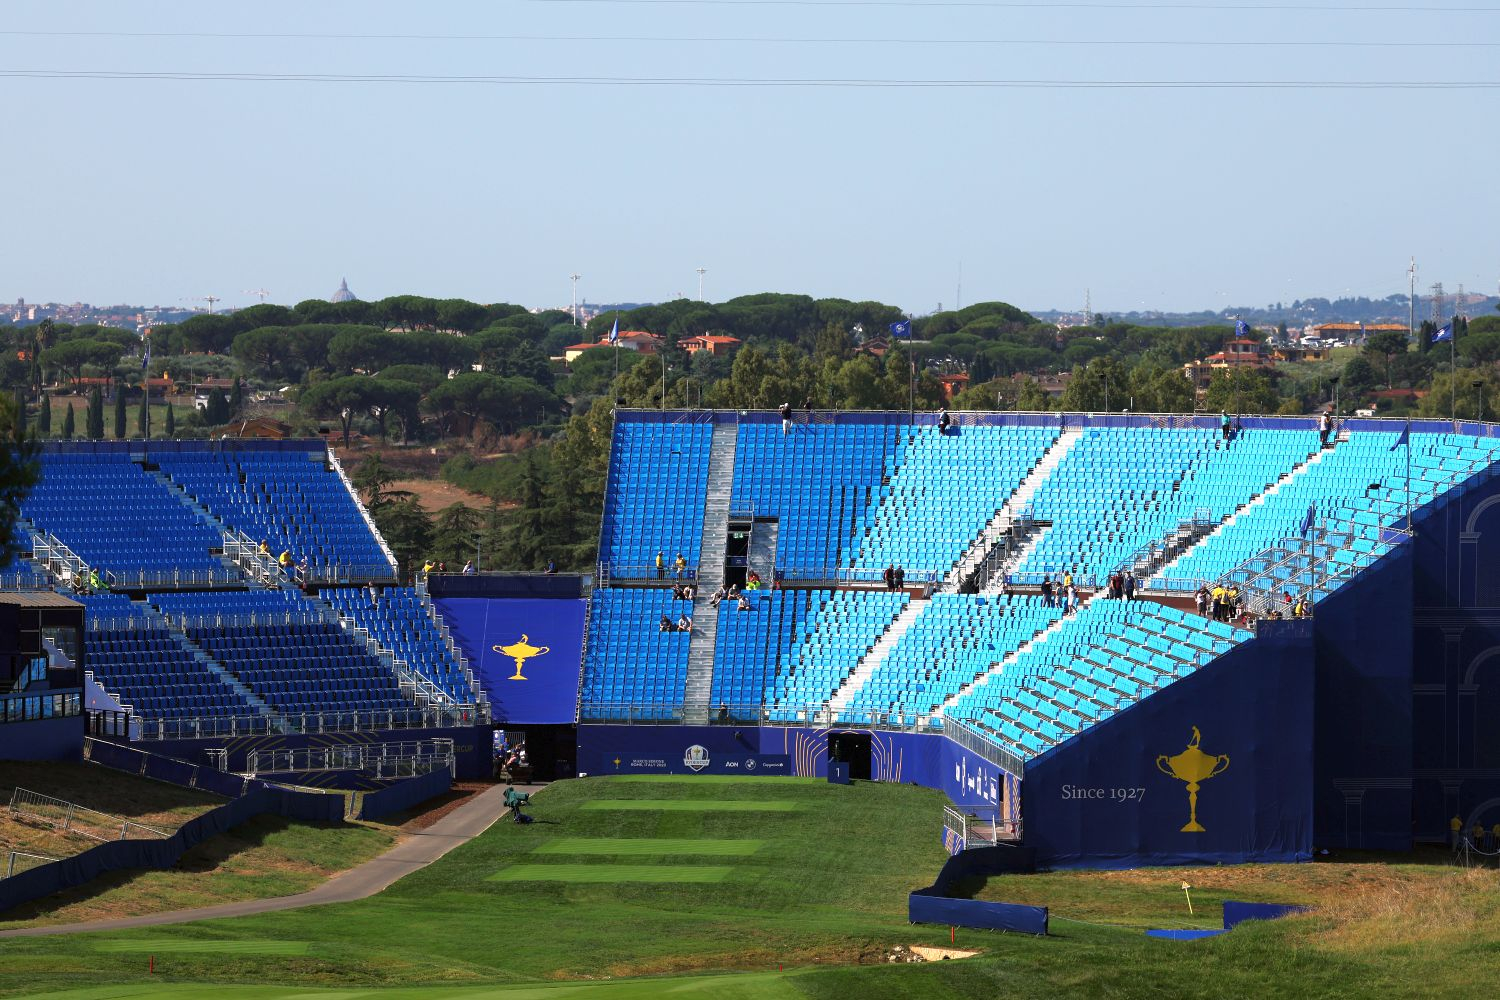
(546, 635)
(1237, 913)
(405, 794)
(1217, 766)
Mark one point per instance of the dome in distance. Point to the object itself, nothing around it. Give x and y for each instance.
(343, 294)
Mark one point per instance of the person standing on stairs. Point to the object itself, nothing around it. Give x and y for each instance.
(890, 576)
(1325, 425)
(1129, 586)
(1225, 427)
(785, 409)
(900, 578)
(943, 421)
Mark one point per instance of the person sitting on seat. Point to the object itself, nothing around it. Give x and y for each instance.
(684, 623)
(676, 591)
(285, 561)
(96, 585)
(744, 604)
(719, 595)
(665, 625)
(734, 590)
(689, 593)
(943, 421)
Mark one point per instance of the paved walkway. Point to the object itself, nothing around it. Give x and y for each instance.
(420, 849)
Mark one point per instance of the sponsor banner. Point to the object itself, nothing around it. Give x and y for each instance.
(694, 758)
(525, 652)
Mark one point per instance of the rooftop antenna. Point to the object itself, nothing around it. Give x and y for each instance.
(1088, 309)
(1411, 300)
(259, 293)
(701, 272)
(1438, 304)
(574, 278)
(1458, 304)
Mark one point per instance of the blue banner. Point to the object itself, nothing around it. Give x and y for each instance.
(526, 654)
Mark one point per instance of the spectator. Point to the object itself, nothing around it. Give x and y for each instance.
(1456, 830)
(900, 578)
(1129, 586)
(285, 561)
(744, 604)
(665, 625)
(943, 421)
(1116, 585)
(723, 714)
(1219, 595)
(1325, 425)
(684, 623)
(1201, 600)
(1047, 591)
(96, 585)
(1225, 426)
(719, 595)
(679, 565)
(265, 549)
(661, 565)
(1286, 597)
(890, 576)
(807, 404)
(677, 594)
(469, 568)
(551, 567)
(442, 566)
(374, 596)
(689, 592)
(1071, 596)
(785, 409)
(734, 590)
(427, 567)
(1233, 601)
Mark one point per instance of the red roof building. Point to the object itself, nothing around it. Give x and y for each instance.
(715, 345)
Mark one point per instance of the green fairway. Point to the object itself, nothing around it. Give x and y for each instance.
(179, 945)
(600, 874)
(708, 779)
(622, 847)
(688, 805)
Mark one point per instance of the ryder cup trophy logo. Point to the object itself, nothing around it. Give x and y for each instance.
(696, 758)
(1194, 767)
(521, 652)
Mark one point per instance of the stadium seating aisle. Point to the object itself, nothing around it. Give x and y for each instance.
(281, 646)
(120, 519)
(658, 481)
(290, 500)
(751, 643)
(839, 629)
(136, 658)
(940, 491)
(399, 622)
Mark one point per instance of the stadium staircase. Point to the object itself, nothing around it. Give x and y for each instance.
(364, 512)
(240, 554)
(704, 640)
(981, 551)
(214, 667)
(875, 657)
(419, 689)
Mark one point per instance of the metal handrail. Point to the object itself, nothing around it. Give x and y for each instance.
(369, 720)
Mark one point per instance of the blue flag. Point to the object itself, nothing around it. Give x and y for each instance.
(901, 329)
(1307, 522)
(1404, 438)
(1446, 333)
(1241, 328)
(146, 355)
(614, 331)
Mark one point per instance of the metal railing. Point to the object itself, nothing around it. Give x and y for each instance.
(20, 861)
(381, 760)
(389, 571)
(73, 818)
(981, 826)
(230, 726)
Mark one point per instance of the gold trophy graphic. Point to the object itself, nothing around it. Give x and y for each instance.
(1194, 767)
(521, 652)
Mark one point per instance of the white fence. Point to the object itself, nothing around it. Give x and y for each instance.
(73, 818)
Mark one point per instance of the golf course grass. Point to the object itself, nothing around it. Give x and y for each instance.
(814, 911)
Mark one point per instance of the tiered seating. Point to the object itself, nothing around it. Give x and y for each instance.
(134, 657)
(818, 481)
(956, 638)
(842, 629)
(630, 661)
(291, 657)
(1107, 656)
(399, 621)
(1109, 496)
(288, 499)
(751, 643)
(658, 483)
(942, 489)
(120, 519)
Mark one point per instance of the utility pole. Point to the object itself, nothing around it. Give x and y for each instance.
(701, 272)
(575, 278)
(1411, 301)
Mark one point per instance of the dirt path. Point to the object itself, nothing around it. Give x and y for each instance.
(419, 849)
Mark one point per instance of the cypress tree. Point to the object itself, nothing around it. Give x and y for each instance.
(171, 422)
(44, 417)
(67, 428)
(119, 411)
(95, 415)
(143, 418)
(235, 398)
(217, 410)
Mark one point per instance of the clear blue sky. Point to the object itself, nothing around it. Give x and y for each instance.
(149, 191)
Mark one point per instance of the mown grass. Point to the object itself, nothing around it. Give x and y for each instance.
(826, 891)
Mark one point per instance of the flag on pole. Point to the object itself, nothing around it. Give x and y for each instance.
(901, 329)
(1241, 328)
(146, 355)
(1307, 520)
(1404, 438)
(1446, 333)
(614, 331)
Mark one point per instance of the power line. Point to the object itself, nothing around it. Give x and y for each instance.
(1041, 4)
(751, 40)
(636, 81)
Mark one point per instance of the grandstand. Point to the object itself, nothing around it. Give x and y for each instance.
(978, 519)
